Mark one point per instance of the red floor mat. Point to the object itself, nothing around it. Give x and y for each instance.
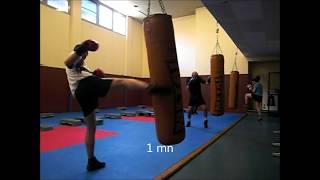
(64, 136)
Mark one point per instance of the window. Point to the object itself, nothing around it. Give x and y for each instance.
(89, 11)
(98, 12)
(61, 5)
(105, 17)
(119, 23)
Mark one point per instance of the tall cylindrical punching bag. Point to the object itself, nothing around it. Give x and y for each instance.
(233, 89)
(217, 85)
(164, 71)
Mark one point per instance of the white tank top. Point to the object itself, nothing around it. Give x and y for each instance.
(74, 77)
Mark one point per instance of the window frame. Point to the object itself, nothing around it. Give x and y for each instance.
(97, 23)
(97, 12)
(98, 3)
(111, 19)
(45, 2)
(125, 22)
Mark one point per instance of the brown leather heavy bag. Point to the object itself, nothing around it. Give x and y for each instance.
(233, 89)
(217, 85)
(164, 71)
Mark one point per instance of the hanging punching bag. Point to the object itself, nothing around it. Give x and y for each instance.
(233, 89)
(164, 71)
(217, 85)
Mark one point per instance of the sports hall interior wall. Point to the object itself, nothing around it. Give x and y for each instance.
(125, 56)
(55, 94)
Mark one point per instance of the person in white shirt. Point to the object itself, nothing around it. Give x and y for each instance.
(87, 87)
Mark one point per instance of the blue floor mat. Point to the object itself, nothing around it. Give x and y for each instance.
(126, 155)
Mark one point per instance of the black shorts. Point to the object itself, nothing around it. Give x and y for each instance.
(89, 90)
(196, 100)
(256, 98)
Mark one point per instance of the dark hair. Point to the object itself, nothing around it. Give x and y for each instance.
(257, 79)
